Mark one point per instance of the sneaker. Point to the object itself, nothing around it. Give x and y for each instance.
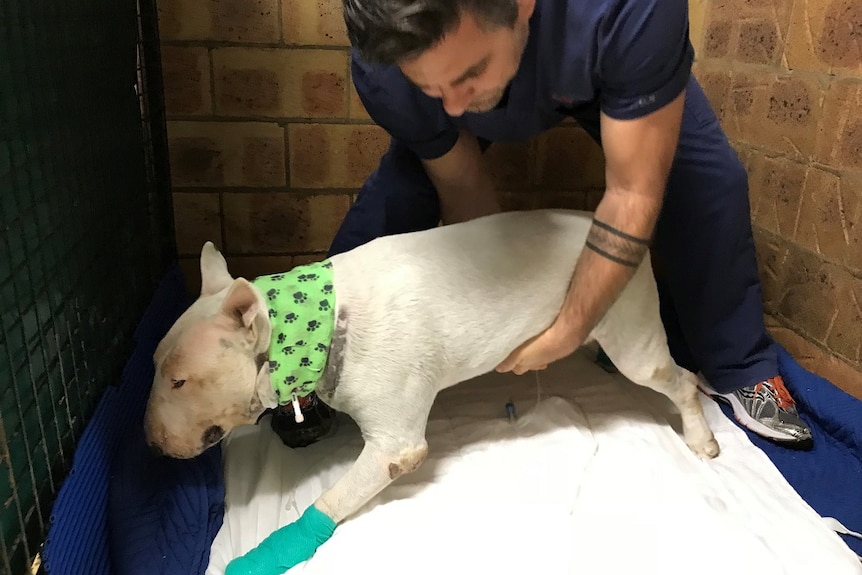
(319, 422)
(768, 410)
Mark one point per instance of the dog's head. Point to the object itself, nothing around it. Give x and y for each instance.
(211, 373)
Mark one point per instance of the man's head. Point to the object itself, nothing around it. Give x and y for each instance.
(464, 52)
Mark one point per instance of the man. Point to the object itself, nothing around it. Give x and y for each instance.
(446, 78)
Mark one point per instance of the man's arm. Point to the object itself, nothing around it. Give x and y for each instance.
(463, 182)
(638, 157)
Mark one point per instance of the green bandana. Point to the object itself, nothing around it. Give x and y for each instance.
(301, 309)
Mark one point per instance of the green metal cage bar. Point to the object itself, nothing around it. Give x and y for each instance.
(86, 232)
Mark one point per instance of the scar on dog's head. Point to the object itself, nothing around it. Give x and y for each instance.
(210, 370)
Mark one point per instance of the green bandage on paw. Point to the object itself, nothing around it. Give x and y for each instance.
(289, 546)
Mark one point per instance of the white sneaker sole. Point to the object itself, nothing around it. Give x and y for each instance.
(742, 415)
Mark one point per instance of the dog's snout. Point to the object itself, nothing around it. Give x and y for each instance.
(213, 434)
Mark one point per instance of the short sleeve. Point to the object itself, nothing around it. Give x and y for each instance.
(405, 112)
(646, 56)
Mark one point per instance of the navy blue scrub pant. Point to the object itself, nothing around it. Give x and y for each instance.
(703, 248)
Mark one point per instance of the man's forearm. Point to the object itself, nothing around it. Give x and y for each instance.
(463, 182)
(616, 245)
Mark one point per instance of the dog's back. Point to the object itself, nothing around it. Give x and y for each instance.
(503, 277)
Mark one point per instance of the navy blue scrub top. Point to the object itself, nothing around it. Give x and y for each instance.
(631, 57)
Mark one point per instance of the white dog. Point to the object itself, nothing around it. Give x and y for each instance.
(408, 315)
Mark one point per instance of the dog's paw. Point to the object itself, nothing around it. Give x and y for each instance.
(287, 547)
(706, 450)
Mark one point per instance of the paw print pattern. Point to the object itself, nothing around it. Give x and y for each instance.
(280, 339)
(302, 278)
(313, 325)
(324, 305)
(272, 313)
(299, 297)
(305, 362)
(272, 293)
(321, 347)
(290, 317)
(326, 289)
(290, 379)
(273, 366)
(288, 350)
(327, 265)
(277, 277)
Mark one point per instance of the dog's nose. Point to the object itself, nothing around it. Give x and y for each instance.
(212, 435)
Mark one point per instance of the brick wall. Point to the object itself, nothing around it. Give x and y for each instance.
(269, 144)
(785, 77)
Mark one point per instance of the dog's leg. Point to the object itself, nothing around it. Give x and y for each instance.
(380, 463)
(633, 337)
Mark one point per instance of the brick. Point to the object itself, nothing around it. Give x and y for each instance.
(304, 259)
(216, 154)
(809, 294)
(751, 31)
(776, 111)
(830, 218)
(715, 82)
(281, 222)
(510, 164)
(283, 82)
(772, 252)
(826, 37)
(333, 155)
(310, 22)
(357, 108)
(813, 358)
(251, 21)
(569, 158)
(250, 267)
(197, 220)
(717, 41)
(776, 186)
(186, 73)
(839, 137)
(697, 13)
(844, 337)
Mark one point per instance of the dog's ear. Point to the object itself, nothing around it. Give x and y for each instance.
(214, 274)
(243, 306)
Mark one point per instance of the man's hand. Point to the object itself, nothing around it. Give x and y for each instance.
(638, 157)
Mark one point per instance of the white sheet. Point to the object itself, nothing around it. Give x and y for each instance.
(591, 478)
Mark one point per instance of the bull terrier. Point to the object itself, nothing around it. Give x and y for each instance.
(379, 331)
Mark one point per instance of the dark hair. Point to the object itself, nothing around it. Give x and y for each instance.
(389, 31)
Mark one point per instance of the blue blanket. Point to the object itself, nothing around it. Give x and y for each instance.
(829, 477)
(124, 512)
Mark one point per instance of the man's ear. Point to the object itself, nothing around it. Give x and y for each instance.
(244, 308)
(214, 274)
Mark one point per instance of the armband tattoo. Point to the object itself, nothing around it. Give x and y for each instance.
(617, 246)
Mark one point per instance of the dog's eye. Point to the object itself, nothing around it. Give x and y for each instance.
(178, 382)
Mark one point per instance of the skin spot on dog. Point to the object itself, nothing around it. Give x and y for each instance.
(395, 471)
(664, 373)
(226, 344)
(408, 461)
(212, 435)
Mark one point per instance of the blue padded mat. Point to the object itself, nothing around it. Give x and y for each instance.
(123, 512)
(829, 477)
